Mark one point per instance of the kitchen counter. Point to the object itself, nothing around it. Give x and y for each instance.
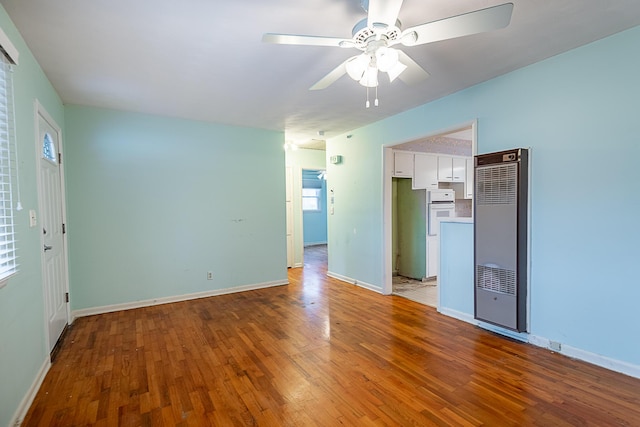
(461, 219)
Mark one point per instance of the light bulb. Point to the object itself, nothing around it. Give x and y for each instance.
(370, 78)
(386, 58)
(357, 65)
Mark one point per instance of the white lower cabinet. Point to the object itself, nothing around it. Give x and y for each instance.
(433, 255)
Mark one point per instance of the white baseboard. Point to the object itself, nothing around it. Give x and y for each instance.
(166, 300)
(566, 350)
(465, 317)
(589, 357)
(354, 282)
(27, 400)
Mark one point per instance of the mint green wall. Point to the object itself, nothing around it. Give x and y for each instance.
(22, 335)
(578, 114)
(155, 203)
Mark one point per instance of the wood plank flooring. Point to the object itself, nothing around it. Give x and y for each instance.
(317, 352)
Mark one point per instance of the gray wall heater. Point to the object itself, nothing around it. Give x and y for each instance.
(501, 194)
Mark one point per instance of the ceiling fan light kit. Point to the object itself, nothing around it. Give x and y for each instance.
(381, 29)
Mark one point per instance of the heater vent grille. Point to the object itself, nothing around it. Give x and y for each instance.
(496, 279)
(497, 185)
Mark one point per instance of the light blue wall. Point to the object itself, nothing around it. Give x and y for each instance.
(22, 335)
(355, 245)
(578, 114)
(456, 267)
(315, 223)
(155, 203)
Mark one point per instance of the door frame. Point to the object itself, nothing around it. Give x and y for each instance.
(387, 175)
(39, 111)
(302, 169)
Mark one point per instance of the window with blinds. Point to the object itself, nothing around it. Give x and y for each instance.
(8, 259)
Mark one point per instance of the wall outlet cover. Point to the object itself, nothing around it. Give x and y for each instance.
(555, 346)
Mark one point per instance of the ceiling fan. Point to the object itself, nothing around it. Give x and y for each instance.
(380, 30)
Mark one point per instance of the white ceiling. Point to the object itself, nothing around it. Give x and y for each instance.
(204, 59)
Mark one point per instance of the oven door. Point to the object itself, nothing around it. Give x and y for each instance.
(438, 212)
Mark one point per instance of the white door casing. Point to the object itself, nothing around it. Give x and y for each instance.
(52, 218)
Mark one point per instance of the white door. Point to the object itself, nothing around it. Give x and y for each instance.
(289, 215)
(54, 265)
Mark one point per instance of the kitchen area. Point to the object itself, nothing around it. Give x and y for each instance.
(432, 181)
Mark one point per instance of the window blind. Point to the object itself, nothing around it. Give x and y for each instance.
(8, 258)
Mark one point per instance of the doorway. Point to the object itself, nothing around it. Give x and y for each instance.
(314, 210)
(51, 204)
(456, 142)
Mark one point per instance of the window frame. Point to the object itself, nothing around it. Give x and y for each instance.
(8, 163)
(317, 197)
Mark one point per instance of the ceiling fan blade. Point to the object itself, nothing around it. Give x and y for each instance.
(488, 19)
(414, 72)
(330, 78)
(305, 40)
(383, 12)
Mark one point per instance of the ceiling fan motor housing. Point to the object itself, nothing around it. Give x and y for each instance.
(362, 34)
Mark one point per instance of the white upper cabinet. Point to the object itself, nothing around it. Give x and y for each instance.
(402, 164)
(451, 169)
(425, 171)
(458, 165)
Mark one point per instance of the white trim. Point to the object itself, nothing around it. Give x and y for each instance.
(589, 357)
(4, 280)
(566, 350)
(9, 48)
(460, 315)
(27, 400)
(387, 175)
(178, 298)
(40, 111)
(519, 336)
(466, 317)
(352, 281)
(387, 215)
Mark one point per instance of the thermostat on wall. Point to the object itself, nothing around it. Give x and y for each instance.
(335, 159)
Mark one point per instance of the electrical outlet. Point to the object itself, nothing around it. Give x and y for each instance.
(555, 346)
(209, 275)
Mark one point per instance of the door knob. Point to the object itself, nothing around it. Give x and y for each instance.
(47, 248)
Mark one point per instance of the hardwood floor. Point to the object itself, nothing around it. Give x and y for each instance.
(317, 352)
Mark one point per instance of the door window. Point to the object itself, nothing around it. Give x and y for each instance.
(49, 148)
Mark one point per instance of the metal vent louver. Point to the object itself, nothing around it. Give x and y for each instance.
(496, 279)
(497, 185)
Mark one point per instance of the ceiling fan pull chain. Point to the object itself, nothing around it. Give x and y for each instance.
(375, 102)
(367, 104)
